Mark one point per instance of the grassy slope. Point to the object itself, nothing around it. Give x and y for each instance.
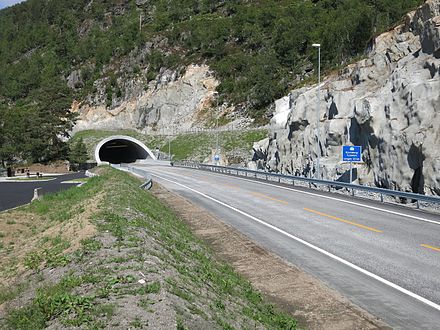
(195, 146)
(95, 285)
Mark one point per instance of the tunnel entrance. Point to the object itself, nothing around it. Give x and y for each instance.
(121, 149)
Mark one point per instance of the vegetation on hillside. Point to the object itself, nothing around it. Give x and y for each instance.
(236, 145)
(109, 255)
(256, 48)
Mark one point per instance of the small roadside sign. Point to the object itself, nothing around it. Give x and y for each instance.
(351, 153)
(217, 158)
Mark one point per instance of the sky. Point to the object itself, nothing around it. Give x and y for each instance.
(7, 3)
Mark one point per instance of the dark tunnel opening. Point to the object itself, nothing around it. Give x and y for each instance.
(121, 151)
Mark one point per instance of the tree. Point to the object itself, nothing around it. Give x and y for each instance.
(78, 152)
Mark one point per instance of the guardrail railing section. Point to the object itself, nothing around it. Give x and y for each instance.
(380, 193)
(148, 184)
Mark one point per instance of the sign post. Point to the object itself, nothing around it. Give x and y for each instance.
(351, 154)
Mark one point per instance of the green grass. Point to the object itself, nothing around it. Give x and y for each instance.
(204, 286)
(198, 146)
(64, 205)
(194, 146)
(51, 302)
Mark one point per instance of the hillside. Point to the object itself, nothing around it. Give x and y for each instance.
(105, 55)
(255, 48)
(92, 257)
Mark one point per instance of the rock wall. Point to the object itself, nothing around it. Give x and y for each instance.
(170, 102)
(388, 103)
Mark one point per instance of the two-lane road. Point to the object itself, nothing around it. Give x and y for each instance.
(385, 259)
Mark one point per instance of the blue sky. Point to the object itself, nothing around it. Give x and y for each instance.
(7, 3)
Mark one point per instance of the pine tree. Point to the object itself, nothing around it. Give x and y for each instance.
(78, 152)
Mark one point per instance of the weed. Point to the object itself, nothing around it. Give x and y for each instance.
(146, 304)
(52, 302)
(180, 325)
(7, 294)
(136, 323)
(131, 215)
(90, 245)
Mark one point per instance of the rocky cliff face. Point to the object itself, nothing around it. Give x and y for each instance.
(388, 103)
(170, 102)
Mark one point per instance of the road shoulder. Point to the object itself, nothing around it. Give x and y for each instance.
(313, 304)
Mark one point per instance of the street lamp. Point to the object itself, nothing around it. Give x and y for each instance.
(216, 134)
(169, 143)
(318, 149)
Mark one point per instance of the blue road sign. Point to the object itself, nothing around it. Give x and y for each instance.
(216, 158)
(351, 153)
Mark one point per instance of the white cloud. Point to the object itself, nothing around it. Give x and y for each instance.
(7, 3)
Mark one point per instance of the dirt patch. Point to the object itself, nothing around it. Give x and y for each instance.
(313, 304)
(56, 167)
(25, 232)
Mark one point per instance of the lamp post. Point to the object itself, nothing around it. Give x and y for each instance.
(216, 129)
(169, 144)
(318, 149)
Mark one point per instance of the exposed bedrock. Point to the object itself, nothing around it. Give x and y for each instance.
(388, 103)
(171, 102)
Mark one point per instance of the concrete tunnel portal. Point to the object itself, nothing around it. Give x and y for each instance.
(121, 149)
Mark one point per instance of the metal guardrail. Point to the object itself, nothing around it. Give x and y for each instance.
(148, 184)
(269, 176)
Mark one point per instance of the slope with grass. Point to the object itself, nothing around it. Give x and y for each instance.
(110, 255)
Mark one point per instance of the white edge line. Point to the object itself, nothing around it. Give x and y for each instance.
(343, 261)
(335, 199)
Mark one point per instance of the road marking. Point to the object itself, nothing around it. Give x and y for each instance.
(268, 197)
(342, 220)
(314, 247)
(430, 247)
(336, 199)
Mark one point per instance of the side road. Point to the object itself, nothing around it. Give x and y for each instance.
(13, 194)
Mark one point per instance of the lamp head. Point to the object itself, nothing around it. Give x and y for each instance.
(316, 45)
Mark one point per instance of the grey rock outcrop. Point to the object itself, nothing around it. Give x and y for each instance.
(171, 102)
(74, 80)
(388, 103)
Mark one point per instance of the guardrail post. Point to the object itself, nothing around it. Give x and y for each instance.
(329, 188)
(418, 204)
(255, 175)
(352, 192)
(381, 197)
(279, 180)
(293, 182)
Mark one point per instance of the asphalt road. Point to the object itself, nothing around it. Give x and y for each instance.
(13, 194)
(383, 258)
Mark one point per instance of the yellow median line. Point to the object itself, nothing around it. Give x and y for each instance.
(430, 247)
(345, 221)
(268, 197)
